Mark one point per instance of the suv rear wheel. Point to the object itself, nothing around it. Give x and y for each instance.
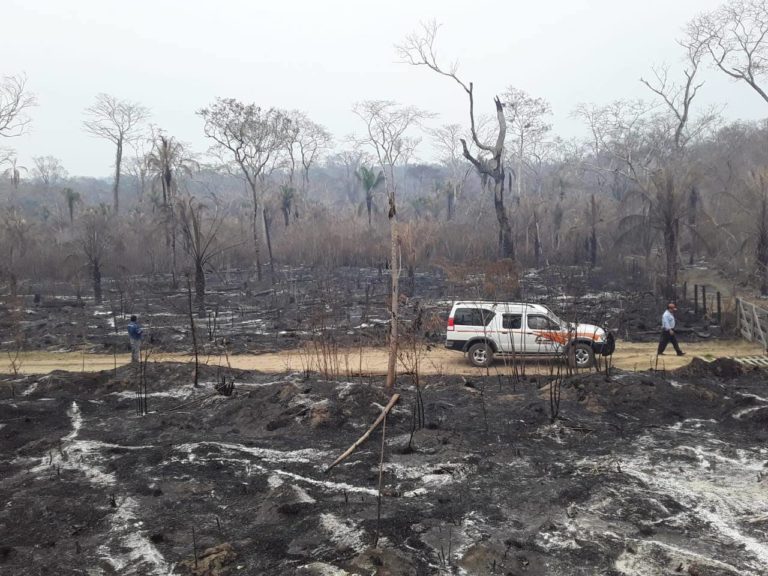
(581, 356)
(480, 355)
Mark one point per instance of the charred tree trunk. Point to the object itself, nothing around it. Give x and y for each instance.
(761, 252)
(451, 198)
(670, 248)
(200, 289)
(394, 271)
(594, 217)
(369, 207)
(267, 225)
(116, 186)
(255, 222)
(693, 203)
(96, 278)
(506, 242)
(193, 331)
(492, 170)
(536, 241)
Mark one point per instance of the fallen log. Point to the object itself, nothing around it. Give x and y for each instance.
(364, 437)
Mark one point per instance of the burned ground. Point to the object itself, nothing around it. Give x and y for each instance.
(347, 306)
(646, 473)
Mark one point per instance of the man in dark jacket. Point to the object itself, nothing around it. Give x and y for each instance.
(135, 334)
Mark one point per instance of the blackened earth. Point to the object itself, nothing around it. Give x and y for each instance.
(348, 306)
(644, 473)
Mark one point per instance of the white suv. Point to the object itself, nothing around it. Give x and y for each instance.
(486, 329)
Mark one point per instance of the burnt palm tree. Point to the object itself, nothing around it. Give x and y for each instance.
(71, 198)
(370, 181)
(166, 163)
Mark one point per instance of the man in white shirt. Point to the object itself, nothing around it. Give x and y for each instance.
(668, 330)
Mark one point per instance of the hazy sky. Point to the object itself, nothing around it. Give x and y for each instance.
(321, 56)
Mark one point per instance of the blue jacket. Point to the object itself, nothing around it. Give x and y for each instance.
(135, 331)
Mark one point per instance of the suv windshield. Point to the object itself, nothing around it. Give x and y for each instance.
(556, 320)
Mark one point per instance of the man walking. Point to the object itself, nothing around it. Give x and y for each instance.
(668, 330)
(135, 334)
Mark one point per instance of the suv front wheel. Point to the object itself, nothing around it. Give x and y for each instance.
(480, 355)
(581, 356)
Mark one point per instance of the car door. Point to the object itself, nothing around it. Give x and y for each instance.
(542, 335)
(511, 333)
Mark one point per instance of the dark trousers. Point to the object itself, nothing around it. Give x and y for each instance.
(666, 337)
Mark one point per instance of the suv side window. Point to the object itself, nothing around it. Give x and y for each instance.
(512, 321)
(537, 322)
(472, 317)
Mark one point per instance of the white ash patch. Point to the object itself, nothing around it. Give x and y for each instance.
(137, 555)
(270, 456)
(274, 481)
(323, 569)
(345, 389)
(30, 389)
(302, 496)
(558, 540)
(265, 454)
(718, 490)
(741, 413)
(344, 533)
(128, 550)
(643, 560)
(181, 392)
(439, 474)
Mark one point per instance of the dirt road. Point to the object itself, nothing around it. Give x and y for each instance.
(629, 356)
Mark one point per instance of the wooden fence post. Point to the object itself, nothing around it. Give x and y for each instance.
(695, 298)
(685, 291)
(719, 310)
(704, 300)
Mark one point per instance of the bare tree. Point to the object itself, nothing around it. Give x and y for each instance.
(386, 126)
(305, 142)
(200, 241)
(678, 98)
(735, 35)
(117, 121)
(447, 140)
(418, 50)
(138, 164)
(15, 102)
(252, 137)
(96, 237)
(527, 125)
(314, 140)
(13, 173)
(350, 161)
(49, 170)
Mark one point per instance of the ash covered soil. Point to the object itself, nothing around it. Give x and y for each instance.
(648, 473)
(347, 305)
